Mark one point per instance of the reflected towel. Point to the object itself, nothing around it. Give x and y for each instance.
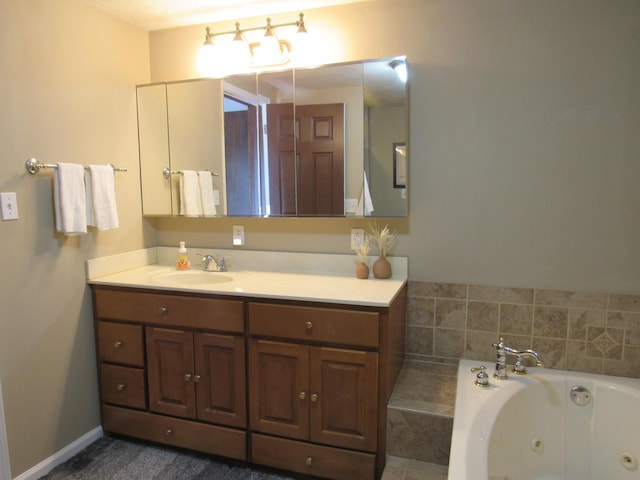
(190, 203)
(365, 204)
(102, 211)
(69, 199)
(206, 193)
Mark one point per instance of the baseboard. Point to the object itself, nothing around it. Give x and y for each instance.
(61, 456)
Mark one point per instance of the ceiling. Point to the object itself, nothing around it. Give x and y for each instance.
(160, 14)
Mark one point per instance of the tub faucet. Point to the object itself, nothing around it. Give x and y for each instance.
(501, 360)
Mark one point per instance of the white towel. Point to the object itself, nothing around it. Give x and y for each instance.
(206, 193)
(365, 204)
(190, 203)
(102, 211)
(69, 199)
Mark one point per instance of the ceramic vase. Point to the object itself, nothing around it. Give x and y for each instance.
(362, 271)
(382, 268)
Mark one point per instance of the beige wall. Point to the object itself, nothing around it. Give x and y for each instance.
(67, 72)
(524, 165)
(524, 140)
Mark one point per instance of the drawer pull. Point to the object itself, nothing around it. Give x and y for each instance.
(168, 432)
(314, 397)
(121, 386)
(308, 325)
(118, 343)
(302, 395)
(163, 310)
(187, 377)
(196, 378)
(309, 461)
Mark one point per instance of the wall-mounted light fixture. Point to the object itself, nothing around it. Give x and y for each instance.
(239, 52)
(400, 67)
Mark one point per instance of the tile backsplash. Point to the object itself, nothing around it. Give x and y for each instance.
(587, 332)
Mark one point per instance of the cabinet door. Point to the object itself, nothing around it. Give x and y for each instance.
(170, 372)
(278, 379)
(344, 398)
(220, 379)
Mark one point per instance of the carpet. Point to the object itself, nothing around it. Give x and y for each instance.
(111, 458)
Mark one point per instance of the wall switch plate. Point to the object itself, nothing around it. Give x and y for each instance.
(238, 235)
(357, 238)
(9, 203)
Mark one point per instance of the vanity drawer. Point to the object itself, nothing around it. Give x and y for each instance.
(120, 343)
(312, 459)
(170, 309)
(201, 437)
(326, 325)
(123, 386)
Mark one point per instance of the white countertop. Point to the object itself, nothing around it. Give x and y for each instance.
(293, 281)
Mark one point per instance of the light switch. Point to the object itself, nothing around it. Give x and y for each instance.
(9, 203)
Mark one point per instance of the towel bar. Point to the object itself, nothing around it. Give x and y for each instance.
(167, 172)
(33, 166)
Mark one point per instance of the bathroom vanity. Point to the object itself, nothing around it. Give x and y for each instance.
(288, 379)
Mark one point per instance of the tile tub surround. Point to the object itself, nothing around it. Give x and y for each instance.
(579, 331)
(420, 412)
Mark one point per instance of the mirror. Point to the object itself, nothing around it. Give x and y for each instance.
(297, 142)
(386, 120)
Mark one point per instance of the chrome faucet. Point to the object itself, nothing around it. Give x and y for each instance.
(219, 263)
(520, 368)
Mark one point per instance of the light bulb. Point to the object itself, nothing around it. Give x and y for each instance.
(208, 60)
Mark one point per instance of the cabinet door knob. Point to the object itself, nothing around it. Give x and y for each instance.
(121, 386)
(308, 325)
(302, 395)
(196, 378)
(118, 343)
(168, 432)
(309, 461)
(163, 310)
(314, 397)
(187, 377)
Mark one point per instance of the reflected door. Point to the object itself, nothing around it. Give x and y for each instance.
(320, 159)
(281, 159)
(306, 159)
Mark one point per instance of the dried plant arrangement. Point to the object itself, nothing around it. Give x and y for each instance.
(383, 238)
(363, 250)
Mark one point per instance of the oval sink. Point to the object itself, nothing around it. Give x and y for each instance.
(191, 278)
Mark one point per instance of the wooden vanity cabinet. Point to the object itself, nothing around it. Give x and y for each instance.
(293, 385)
(172, 368)
(196, 375)
(320, 394)
(317, 405)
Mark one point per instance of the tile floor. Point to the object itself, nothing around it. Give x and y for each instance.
(404, 469)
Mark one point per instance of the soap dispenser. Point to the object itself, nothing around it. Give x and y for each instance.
(182, 260)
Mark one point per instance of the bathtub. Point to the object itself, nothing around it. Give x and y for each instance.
(538, 427)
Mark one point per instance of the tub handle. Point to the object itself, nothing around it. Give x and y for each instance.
(482, 379)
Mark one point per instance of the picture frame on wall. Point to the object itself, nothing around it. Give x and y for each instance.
(399, 165)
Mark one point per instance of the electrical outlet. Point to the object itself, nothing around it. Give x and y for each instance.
(238, 235)
(357, 238)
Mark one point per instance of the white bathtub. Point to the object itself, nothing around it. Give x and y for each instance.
(529, 428)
